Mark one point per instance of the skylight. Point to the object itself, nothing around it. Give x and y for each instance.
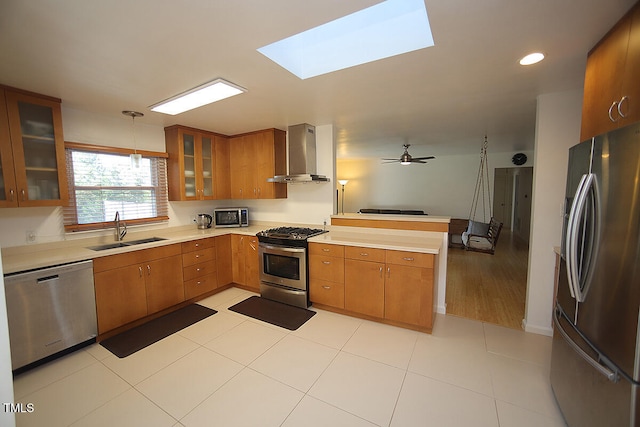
(387, 29)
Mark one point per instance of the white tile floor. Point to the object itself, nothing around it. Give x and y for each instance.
(230, 370)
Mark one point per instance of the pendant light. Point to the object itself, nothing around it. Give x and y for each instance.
(135, 157)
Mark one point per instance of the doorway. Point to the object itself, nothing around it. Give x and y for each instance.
(492, 288)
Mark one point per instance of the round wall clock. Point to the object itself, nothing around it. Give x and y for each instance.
(519, 159)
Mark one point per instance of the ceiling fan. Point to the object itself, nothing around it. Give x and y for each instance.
(406, 158)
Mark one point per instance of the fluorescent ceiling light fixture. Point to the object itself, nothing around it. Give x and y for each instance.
(387, 29)
(207, 93)
(532, 58)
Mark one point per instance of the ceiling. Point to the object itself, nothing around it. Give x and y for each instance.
(104, 57)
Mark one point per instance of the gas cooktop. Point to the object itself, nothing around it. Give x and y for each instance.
(289, 233)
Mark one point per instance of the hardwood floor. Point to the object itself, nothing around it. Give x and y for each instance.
(490, 288)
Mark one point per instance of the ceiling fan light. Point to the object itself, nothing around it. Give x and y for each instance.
(405, 162)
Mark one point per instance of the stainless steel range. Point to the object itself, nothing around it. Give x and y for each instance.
(284, 273)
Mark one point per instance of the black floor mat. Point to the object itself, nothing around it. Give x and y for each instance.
(128, 342)
(279, 314)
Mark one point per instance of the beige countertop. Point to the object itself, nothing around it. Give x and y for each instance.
(373, 238)
(386, 217)
(34, 256)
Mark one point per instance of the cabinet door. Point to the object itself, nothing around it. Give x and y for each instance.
(121, 296)
(242, 153)
(206, 160)
(222, 183)
(630, 85)
(364, 287)
(8, 195)
(238, 255)
(603, 83)
(164, 283)
(224, 260)
(270, 146)
(252, 264)
(35, 125)
(190, 186)
(408, 295)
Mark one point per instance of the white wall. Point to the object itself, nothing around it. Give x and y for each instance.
(557, 129)
(307, 203)
(444, 186)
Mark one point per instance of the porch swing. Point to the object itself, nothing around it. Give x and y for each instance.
(482, 236)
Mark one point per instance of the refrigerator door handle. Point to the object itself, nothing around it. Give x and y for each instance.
(571, 243)
(612, 376)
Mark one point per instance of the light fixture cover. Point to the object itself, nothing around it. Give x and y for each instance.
(343, 181)
(386, 29)
(207, 93)
(532, 58)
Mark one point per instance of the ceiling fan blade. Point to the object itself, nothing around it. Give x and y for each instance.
(395, 160)
(391, 161)
(417, 161)
(423, 158)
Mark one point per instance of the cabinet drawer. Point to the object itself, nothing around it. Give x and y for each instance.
(198, 257)
(325, 249)
(364, 254)
(326, 268)
(327, 293)
(415, 259)
(200, 285)
(196, 245)
(199, 270)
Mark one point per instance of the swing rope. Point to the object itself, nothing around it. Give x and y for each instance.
(482, 183)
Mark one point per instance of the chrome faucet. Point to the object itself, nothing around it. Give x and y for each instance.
(119, 233)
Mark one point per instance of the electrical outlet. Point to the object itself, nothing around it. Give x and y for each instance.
(31, 236)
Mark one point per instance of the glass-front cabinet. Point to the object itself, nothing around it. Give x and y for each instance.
(192, 164)
(32, 151)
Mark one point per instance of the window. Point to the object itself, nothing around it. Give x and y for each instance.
(103, 182)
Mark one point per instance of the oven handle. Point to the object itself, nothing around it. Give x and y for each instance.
(284, 249)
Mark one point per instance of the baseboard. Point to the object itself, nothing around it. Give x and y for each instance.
(534, 329)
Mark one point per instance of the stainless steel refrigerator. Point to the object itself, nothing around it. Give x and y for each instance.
(595, 362)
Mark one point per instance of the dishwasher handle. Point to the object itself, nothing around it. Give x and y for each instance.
(45, 280)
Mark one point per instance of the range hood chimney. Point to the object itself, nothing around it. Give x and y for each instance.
(302, 156)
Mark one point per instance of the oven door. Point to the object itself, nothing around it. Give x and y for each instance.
(283, 265)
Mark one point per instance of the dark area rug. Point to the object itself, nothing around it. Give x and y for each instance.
(128, 342)
(279, 314)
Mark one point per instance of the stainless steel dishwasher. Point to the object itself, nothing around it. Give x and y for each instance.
(50, 310)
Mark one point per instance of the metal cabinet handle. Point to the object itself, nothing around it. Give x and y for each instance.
(198, 269)
(326, 287)
(23, 194)
(326, 262)
(381, 271)
(140, 271)
(388, 271)
(364, 254)
(197, 256)
(197, 245)
(615, 103)
(11, 192)
(408, 258)
(624, 98)
(148, 270)
(326, 250)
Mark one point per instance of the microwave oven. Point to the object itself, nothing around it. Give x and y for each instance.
(231, 217)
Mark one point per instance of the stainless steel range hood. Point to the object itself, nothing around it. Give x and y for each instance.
(302, 156)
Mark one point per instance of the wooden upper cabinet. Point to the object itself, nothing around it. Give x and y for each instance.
(611, 89)
(32, 160)
(198, 164)
(255, 157)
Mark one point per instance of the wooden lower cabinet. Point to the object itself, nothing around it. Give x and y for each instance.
(199, 267)
(326, 274)
(246, 263)
(132, 285)
(364, 287)
(224, 260)
(389, 285)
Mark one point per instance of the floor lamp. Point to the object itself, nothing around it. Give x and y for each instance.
(343, 182)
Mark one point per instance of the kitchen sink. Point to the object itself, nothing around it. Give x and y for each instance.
(125, 244)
